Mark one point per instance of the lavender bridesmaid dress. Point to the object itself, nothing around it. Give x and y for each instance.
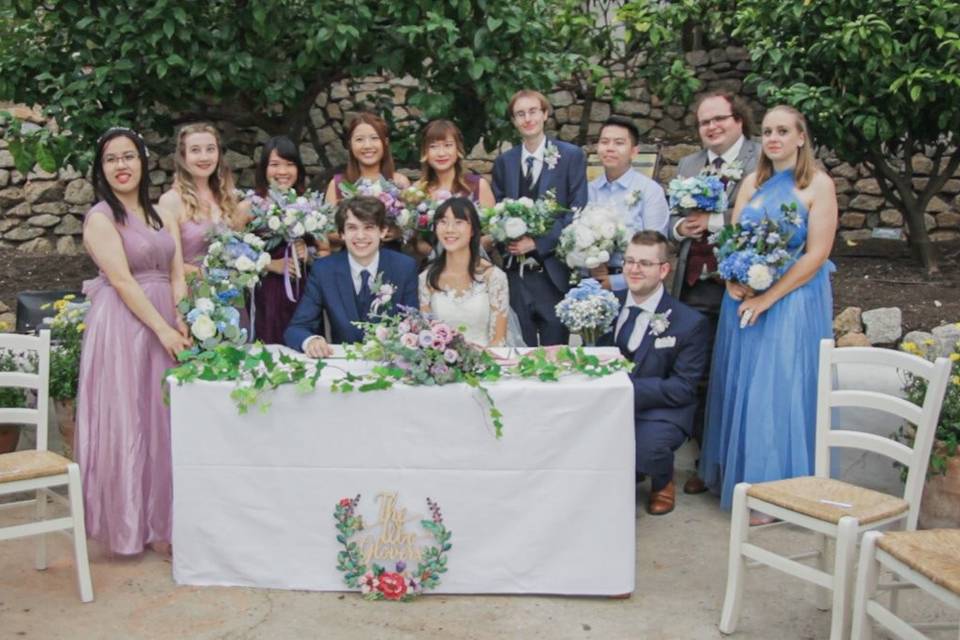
(123, 426)
(193, 240)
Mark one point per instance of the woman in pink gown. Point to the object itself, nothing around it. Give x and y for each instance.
(132, 335)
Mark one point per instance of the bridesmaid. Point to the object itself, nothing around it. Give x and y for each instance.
(280, 165)
(132, 335)
(203, 193)
(368, 143)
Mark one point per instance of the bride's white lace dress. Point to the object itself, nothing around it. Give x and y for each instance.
(474, 311)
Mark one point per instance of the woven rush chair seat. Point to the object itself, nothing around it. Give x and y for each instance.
(30, 464)
(816, 497)
(934, 553)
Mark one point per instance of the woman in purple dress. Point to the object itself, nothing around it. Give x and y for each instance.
(132, 335)
(281, 166)
(203, 193)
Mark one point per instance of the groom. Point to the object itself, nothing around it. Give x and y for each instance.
(667, 341)
(537, 278)
(345, 284)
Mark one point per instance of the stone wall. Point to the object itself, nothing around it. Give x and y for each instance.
(42, 212)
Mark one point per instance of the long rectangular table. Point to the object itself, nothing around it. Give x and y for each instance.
(549, 508)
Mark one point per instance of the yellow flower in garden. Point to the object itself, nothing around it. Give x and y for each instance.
(69, 296)
(81, 327)
(929, 341)
(954, 356)
(956, 380)
(909, 347)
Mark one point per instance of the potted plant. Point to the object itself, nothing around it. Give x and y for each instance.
(940, 506)
(66, 337)
(11, 397)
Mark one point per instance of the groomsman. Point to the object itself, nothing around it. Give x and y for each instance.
(667, 341)
(724, 124)
(640, 200)
(540, 164)
(344, 284)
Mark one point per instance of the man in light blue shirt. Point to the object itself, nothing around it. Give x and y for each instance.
(639, 199)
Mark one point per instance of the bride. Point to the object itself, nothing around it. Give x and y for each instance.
(459, 286)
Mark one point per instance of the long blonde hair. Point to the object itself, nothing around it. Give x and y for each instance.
(221, 180)
(806, 166)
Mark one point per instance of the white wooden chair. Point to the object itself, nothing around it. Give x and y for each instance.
(38, 469)
(928, 560)
(831, 508)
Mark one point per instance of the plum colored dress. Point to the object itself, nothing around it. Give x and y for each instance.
(193, 240)
(123, 425)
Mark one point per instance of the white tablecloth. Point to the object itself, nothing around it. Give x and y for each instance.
(549, 508)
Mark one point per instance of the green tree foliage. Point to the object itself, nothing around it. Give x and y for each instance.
(153, 65)
(879, 83)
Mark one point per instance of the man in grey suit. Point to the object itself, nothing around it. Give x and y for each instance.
(724, 124)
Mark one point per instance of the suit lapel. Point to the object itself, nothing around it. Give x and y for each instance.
(513, 172)
(647, 341)
(546, 173)
(344, 283)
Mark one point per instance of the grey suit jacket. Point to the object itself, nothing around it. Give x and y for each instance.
(690, 166)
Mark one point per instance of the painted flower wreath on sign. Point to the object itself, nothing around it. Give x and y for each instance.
(377, 582)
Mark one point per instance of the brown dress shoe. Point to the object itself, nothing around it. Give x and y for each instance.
(661, 502)
(694, 485)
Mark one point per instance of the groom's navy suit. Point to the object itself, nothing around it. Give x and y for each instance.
(667, 369)
(330, 287)
(534, 294)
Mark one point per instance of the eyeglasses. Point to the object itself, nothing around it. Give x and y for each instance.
(630, 263)
(532, 112)
(714, 120)
(128, 159)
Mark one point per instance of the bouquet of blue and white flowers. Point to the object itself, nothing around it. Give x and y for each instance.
(596, 233)
(755, 253)
(211, 313)
(239, 258)
(285, 216)
(511, 219)
(703, 192)
(588, 309)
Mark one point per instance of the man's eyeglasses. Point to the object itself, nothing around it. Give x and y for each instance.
(529, 113)
(714, 120)
(646, 264)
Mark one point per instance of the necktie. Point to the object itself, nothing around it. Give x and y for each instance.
(365, 297)
(718, 163)
(623, 338)
(528, 176)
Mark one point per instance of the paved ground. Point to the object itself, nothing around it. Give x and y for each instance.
(681, 568)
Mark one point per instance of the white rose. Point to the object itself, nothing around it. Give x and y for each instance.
(244, 263)
(374, 189)
(688, 202)
(608, 230)
(593, 262)
(603, 256)
(310, 224)
(583, 237)
(527, 202)
(273, 223)
(252, 240)
(759, 277)
(499, 207)
(301, 200)
(263, 261)
(204, 305)
(515, 227)
(297, 230)
(290, 219)
(215, 247)
(203, 328)
(403, 218)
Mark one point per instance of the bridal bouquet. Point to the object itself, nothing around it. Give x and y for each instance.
(382, 189)
(755, 253)
(703, 192)
(511, 219)
(284, 216)
(234, 257)
(211, 313)
(595, 234)
(588, 309)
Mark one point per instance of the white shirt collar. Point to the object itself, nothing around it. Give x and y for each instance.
(730, 155)
(538, 153)
(650, 304)
(356, 268)
(627, 180)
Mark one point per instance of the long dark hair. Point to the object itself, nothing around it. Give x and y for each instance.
(102, 187)
(287, 150)
(462, 209)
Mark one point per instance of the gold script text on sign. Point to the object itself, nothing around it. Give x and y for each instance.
(394, 542)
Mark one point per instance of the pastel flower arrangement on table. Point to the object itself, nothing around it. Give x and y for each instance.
(376, 582)
(285, 216)
(595, 234)
(511, 219)
(383, 190)
(588, 310)
(755, 253)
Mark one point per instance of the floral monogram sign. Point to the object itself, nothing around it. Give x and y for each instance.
(391, 560)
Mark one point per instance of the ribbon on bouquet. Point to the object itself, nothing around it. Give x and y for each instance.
(290, 254)
(253, 314)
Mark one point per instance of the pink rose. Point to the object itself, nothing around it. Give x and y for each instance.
(443, 333)
(382, 333)
(409, 340)
(393, 586)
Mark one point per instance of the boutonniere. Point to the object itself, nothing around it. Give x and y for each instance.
(382, 295)
(729, 172)
(551, 155)
(659, 322)
(633, 197)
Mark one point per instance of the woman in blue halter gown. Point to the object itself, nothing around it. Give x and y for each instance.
(761, 401)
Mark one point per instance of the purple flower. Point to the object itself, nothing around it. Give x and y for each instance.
(439, 370)
(426, 338)
(451, 356)
(401, 566)
(443, 333)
